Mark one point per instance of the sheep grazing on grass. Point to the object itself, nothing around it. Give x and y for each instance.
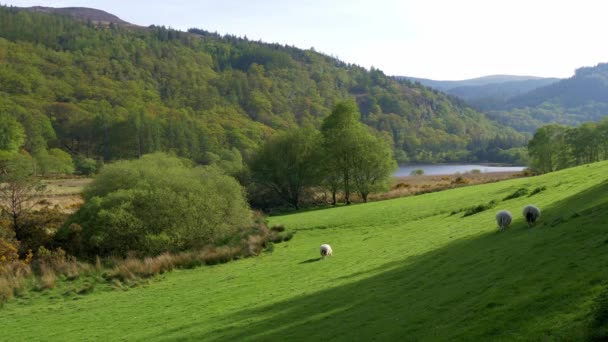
(503, 218)
(531, 213)
(325, 250)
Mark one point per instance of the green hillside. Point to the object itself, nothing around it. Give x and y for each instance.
(407, 269)
(115, 92)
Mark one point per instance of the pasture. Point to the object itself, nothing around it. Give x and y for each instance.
(411, 268)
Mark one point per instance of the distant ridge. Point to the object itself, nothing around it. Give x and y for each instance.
(487, 92)
(82, 13)
(479, 81)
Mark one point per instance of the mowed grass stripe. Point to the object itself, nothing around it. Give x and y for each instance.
(402, 269)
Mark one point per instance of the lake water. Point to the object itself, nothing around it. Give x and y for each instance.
(449, 169)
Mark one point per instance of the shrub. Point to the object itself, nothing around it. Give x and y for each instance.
(479, 208)
(8, 253)
(278, 229)
(85, 166)
(475, 171)
(38, 228)
(460, 180)
(54, 161)
(402, 186)
(537, 190)
(518, 193)
(156, 204)
(417, 172)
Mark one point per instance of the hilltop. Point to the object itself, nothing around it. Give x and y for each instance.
(412, 268)
(81, 13)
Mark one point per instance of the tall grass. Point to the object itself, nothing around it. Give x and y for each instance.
(49, 268)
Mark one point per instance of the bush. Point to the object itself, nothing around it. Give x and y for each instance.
(417, 172)
(402, 186)
(479, 208)
(518, 193)
(278, 229)
(537, 190)
(38, 228)
(85, 166)
(8, 252)
(475, 171)
(156, 204)
(460, 180)
(54, 161)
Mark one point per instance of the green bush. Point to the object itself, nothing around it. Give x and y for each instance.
(518, 193)
(85, 166)
(54, 161)
(156, 204)
(417, 172)
(537, 190)
(479, 208)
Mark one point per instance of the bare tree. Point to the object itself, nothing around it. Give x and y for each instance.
(18, 187)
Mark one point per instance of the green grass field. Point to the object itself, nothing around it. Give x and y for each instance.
(403, 269)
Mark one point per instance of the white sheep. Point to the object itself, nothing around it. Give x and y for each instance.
(504, 218)
(325, 250)
(531, 213)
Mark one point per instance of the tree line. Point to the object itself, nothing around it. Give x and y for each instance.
(556, 147)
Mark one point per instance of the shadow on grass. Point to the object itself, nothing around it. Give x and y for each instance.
(529, 284)
(311, 260)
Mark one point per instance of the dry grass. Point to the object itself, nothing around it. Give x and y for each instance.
(62, 193)
(13, 279)
(47, 277)
(50, 267)
(413, 185)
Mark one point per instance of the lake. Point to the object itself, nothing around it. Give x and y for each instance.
(449, 169)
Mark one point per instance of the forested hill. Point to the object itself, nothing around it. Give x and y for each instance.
(117, 92)
(581, 98)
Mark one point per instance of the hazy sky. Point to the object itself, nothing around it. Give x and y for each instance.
(439, 39)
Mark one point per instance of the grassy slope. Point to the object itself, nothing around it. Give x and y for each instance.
(402, 269)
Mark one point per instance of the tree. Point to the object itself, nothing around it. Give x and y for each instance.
(373, 165)
(12, 135)
(548, 150)
(18, 187)
(286, 164)
(341, 130)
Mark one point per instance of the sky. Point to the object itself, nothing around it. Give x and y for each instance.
(436, 39)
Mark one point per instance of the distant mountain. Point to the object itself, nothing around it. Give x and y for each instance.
(488, 92)
(581, 98)
(82, 13)
(479, 81)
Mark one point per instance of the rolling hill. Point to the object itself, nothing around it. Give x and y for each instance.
(406, 269)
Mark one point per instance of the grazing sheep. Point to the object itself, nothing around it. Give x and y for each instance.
(325, 250)
(531, 213)
(503, 218)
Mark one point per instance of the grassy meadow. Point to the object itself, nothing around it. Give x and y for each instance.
(411, 268)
